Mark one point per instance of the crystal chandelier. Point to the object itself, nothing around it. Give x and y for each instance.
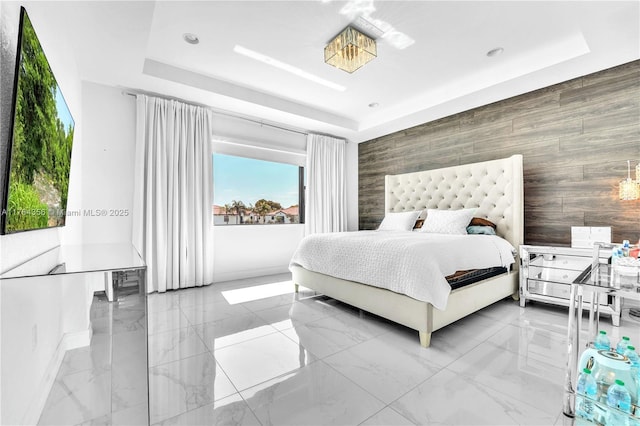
(629, 188)
(350, 50)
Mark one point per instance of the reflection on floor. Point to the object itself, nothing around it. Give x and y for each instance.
(250, 352)
(104, 383)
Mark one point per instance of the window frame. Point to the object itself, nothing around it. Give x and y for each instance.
(301, 190)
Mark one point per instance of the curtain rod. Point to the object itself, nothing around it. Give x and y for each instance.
(219, 112)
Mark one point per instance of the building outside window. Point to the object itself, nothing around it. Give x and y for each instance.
(248, 191)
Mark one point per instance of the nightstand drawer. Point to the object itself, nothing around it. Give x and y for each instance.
(550, 289)
(572, 263)
(566, 276)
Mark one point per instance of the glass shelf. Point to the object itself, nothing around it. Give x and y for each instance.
(602, 413)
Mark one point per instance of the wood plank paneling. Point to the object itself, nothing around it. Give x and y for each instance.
(576, 138)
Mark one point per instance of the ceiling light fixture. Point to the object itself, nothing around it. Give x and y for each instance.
(286, 67)
(350, 50)
(191, 38)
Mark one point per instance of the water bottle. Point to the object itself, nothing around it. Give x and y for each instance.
(634, 358)
(602, 341)
(616, 255)
(587, 389)
(622, 345)
(625, 248)
(618, 397)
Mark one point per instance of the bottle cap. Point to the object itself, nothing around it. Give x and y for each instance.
(586, 370)
(619, 382)
(631, 348)
(603, 332)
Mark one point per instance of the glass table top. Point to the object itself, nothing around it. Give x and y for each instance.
(604, 277)
(72, 259)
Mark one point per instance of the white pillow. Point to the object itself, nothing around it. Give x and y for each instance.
(403, 221)
(448, 221)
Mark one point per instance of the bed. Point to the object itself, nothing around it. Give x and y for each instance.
(494, 188)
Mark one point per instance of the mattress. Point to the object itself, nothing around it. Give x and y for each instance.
(410, 263)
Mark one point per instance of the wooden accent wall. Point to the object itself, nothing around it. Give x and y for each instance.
(576, 138)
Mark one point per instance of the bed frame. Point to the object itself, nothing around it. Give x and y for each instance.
(495, 188)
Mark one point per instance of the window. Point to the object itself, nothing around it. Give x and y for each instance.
(247, 191)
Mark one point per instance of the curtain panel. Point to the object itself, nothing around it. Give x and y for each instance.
(326, 196)
(173, 193)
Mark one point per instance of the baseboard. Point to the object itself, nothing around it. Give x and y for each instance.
(69, 341)
(250, 273)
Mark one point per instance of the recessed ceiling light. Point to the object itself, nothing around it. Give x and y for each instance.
(286, 67)
(495, 52)
(374, 105)
(191, 38)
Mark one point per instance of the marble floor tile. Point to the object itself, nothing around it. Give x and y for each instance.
(159, 302)
(170, 319)
(95, 357)
(210, 312)
(76, 398)
(230, 411)
(313, 395)
(475, 326)
(448, 398)
(387, 417)
(534, 381)
(305, 310)
(533, 343)
(173, 345)
(332, 334)
(232, 330)
(189, 297)
(384, 366)
(263, 358)
(186, 384)
(308, 359)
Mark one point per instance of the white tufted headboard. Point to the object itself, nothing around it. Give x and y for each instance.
(495, 187)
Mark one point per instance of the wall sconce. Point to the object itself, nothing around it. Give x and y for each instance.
(629, 188)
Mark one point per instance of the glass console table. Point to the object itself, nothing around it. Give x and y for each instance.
(56, 334)
(597, 281)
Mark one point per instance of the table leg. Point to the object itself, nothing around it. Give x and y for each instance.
(573, 353)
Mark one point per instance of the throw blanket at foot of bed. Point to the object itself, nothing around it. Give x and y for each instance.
(410, 263)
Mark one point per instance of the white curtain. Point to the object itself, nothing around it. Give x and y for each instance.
(172, 217)
(326, 196)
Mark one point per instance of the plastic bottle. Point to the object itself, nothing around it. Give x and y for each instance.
(602, 341)
(616, 255)
(634, 358)
(618, 397)
(622, 345)
(587, 389)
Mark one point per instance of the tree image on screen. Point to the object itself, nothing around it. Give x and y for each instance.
(41, 144)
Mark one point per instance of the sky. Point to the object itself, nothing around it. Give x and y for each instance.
(63, 111)
(248, 180)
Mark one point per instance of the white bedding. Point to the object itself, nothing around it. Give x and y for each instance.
(412, 263)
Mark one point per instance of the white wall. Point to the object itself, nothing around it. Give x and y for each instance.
(253, 250)
(106, 175)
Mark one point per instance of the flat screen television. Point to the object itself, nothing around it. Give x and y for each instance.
(41, 139)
